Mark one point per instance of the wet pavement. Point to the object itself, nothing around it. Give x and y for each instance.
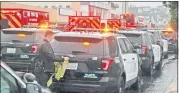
(164, 81)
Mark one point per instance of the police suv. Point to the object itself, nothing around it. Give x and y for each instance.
(160, 40)
(102, 63)
(147, 48)
(19, 46)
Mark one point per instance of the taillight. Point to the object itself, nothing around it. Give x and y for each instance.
(106, 63)
(34, 48)
(144, 49)
(173, 39)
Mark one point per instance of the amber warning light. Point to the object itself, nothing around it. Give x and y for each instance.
(86, 43)
(21, 35)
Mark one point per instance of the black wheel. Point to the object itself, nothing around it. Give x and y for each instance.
(149, 71)
(138, 83)
(159, 66)
(121, 86)
(166, 56)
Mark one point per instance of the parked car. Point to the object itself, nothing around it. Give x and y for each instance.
(162, 41)
(12, 83)
(19, 46)
(98, 63)
(147, 49)
(170, 35)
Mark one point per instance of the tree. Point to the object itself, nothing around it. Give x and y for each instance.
(173, 5)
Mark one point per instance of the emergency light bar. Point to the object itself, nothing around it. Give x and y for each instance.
(34, 26)
(93, 30)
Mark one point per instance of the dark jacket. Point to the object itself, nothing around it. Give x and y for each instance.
(47, 57)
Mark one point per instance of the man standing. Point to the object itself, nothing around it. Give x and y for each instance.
(44, 64)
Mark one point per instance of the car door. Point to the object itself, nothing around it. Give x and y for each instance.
(8, 82)
(127, 60)
(155, 48)
(134, 57)
(165, 42)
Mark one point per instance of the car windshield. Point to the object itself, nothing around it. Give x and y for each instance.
(16, 36)
(80, 46)
(134, 38)
(156, 35)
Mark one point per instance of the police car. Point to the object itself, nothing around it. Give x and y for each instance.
(163, 42)
(102, 63)
(12, 83)
(19, 46)
(147, 48)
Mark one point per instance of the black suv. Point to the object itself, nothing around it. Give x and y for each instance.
(19, 46)
(95, 63)
(143, 45)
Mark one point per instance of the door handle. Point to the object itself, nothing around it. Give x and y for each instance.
(133, 58)
(124, 59)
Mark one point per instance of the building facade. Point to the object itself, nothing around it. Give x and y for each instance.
(59, 11)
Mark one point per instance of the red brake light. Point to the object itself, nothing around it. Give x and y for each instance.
(144, 49)
(174, 39)
(34, 48)
(106, 63)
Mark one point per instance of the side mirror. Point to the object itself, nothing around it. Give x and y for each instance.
(33, 88)
(29, 77)
(134, 50)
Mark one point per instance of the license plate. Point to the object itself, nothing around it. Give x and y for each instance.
(90, 76)
(24, 56)
(72, 66)
(11, 50)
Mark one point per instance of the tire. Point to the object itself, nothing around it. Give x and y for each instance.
(166, 56)
(121, 86)
(159, 66)
(137, 84)
(149, 71)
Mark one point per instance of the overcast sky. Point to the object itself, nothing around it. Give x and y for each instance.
(139, 4)
(151, 4)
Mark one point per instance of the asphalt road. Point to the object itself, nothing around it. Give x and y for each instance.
(164, 81)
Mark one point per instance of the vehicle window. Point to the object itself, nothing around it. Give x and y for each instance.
(134, 38)
(157, 35)
(39, 37)
(122, 45)
(112, 46)
(129, 46)
(9, 82)
(163, 36)
(9, 36)
(152, 39)
(71, 45)
(147, 40)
